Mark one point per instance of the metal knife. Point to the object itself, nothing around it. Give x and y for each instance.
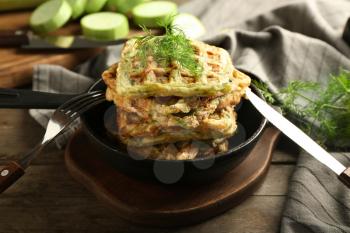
(299, 137)
(28, 40)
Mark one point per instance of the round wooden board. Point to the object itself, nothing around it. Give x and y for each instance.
(160, 205)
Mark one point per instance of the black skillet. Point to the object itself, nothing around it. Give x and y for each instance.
(94, 121)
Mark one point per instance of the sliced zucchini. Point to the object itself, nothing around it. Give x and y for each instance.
(150, 13)
(190, 25)
(50, 16)
(105, 26)
(60, 41)
(123, 6)
(93, 6)
(78, 7)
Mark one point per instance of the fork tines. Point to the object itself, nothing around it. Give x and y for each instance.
(81, 103)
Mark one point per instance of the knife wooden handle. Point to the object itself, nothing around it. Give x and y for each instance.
(9, 175)
(18, 98)
(345, 177)
(10, 38)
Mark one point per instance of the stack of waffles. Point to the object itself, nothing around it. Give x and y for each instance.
(168, 113)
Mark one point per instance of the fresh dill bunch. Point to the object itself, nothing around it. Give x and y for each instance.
(323, 112)
(296, 98)
(173, 46)
(332, 109)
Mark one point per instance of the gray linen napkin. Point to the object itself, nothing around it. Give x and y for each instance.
(278, 41)
(57, 79)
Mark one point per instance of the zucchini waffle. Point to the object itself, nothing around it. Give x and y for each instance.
(163, 109)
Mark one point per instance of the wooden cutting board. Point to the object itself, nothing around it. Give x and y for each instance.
(16, 65)
(154, 204)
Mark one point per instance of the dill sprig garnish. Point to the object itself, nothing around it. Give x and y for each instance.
(173, 46)
(323, 112)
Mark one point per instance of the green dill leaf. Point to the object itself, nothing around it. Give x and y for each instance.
(171, 47)
(323, 112)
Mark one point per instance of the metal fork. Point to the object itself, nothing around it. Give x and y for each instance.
(60, 119)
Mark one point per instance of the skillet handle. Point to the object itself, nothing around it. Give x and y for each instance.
(18, 98)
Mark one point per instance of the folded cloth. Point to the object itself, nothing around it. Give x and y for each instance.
(278, 41)
(317, 202)
(57, 79)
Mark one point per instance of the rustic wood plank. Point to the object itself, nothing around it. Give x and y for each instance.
(46, 180)
(54, 181)
(18, 72)
(286, 152)
(18, 133)
(33, 214)
(18, 20)
(257, 214)
(16, 65)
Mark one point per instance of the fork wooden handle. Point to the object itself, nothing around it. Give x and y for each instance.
(9, 174)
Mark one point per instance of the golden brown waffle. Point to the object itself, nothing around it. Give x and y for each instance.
(218, 77)
(162, 111)
(181, 150)
(135, 131)
(199, 106)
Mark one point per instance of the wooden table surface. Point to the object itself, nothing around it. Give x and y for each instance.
(47, 199)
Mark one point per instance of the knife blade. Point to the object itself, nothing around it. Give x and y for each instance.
(299, 137)
(28, 40)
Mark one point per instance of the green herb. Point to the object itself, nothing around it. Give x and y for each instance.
(321, 111)
(264, 90)
(173, 46)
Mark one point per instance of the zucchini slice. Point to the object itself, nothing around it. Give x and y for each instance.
(78, 7)
(190, 25)
(105, 26)
(123, 6)
(93, 6)
(150, 13)
(50, 16)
